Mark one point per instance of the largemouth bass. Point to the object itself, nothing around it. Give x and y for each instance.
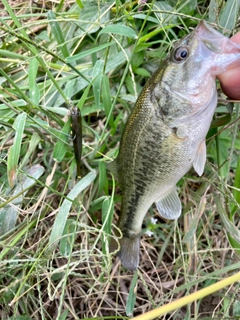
(165, 133)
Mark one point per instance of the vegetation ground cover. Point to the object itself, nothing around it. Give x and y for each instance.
(55, 227)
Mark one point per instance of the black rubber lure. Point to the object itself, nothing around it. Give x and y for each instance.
(77, 137)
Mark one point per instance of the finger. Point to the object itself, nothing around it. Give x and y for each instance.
(230, 80)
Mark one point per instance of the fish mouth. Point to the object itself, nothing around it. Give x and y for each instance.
(217, 52)
(215, 41)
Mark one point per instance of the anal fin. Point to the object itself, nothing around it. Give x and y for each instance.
(169, 206)
(200, 159)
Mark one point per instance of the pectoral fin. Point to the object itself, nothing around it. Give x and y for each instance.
(200, 159)
(169, 206)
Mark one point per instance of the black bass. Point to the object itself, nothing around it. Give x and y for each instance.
(165, 133)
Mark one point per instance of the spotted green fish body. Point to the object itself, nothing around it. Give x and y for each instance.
(165, 133)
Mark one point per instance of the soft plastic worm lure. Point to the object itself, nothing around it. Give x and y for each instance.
(77, 137)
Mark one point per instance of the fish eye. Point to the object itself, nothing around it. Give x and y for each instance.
(180, 54)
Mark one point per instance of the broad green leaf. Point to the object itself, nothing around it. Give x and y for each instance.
(120, 30)
(14, 151)
(15, 103)
(229, 14)
(64, 210)
(145, 17)
(58, 110)
(142, 72)
(91, 17)
(212, 11)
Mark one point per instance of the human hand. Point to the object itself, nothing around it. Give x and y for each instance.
(230, 80)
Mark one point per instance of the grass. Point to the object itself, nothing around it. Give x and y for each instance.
(54, 227)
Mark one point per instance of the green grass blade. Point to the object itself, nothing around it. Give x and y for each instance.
(232, 231)
(33, 144)
(31, 46)
(27, 180)
(69, 236)
(61, 145)
(56, 30)
(14, 151)
(80, 4)
(12, 55)
(107, 214)
(132, 295)
(107, 217)
(9, 213)
(106, 99)
(34, 93)
(236, 191)
(200, 294)
(64, 210)
(102, 177)
(97, 75)
(84, 96)
(76, 85)
(88, 52)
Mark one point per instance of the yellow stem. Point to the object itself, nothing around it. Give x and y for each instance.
(188, 299)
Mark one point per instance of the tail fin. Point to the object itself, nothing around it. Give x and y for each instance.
(129, 252)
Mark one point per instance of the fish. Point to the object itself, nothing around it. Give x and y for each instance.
(77, 137)
(165, 134)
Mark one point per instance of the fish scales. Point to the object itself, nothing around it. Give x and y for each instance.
(165, 133)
